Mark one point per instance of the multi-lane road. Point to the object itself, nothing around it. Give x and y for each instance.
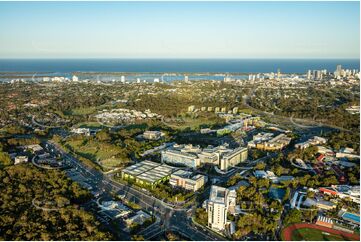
(170, 217)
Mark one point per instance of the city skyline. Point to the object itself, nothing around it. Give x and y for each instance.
(180, 121)
(231, 30)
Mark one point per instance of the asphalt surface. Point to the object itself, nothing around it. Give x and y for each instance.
(171, 217)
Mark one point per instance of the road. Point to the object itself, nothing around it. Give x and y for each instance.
(171, 216)
(301, 123)
(41, 125)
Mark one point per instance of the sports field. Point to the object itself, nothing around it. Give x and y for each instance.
(312, 232)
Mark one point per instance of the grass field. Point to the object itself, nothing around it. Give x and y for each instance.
(192, 123)
(111, 162)
(89, 125)
(246, 110)
(97, 151)
(310, 234)
(82, 111)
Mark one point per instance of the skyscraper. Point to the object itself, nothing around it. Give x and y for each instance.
(338, 68)
(317, 75)
(338, 71)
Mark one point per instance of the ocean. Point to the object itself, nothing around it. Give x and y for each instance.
(60, 66)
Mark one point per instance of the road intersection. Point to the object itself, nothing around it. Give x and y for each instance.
(171, 216)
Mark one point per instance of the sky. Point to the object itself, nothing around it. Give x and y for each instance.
(179, 30)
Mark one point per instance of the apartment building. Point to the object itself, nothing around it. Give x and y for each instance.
(220, 201)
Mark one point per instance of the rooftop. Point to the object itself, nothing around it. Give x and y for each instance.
(177, 152)
(182, 173)
(149, 171)
(218, 194)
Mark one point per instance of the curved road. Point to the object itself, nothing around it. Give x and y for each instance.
(317, 124)
(42, 125)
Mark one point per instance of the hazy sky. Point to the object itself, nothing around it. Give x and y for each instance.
(180, 29)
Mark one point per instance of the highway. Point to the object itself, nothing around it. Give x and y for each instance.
(172, 218)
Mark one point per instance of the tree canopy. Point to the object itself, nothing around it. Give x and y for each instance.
(23, 185)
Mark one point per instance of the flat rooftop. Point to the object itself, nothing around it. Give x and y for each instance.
(180, 153)
(218, 194)
(182, 173)
(149, 171)
(140, 167)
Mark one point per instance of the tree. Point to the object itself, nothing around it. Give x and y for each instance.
(51, 189)
(171, 236)
(287, 194)
(137, 237)
(15, 129)
(234, 179)
(253, 222)
(5, 159)
(310, 194)
(278, 170)
(263, 183)
(294, 216)
(260, 166)
(103, 135)
(202, 216)
(310, 214)
(331, 180)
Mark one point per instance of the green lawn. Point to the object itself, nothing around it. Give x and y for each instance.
(315, 235)
(245, 110)
(111, 162)
(89, 125)
(97, 151)
(83, 111)
(192, 123)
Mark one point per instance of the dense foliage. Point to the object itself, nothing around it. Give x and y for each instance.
(22, 186)
(326, 105)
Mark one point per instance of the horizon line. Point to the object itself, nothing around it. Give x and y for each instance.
(180, 58)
